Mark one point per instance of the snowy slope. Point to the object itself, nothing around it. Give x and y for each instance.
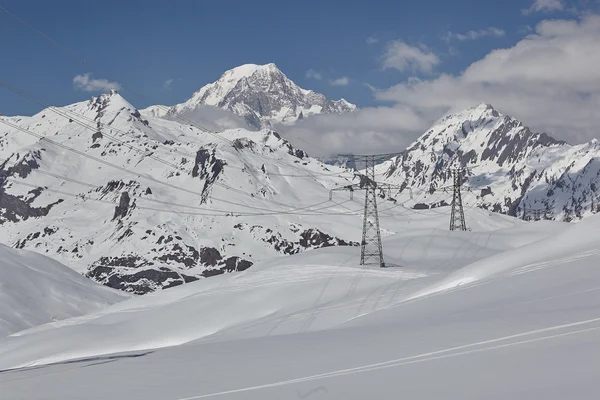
(142, 203)
(510, 168)
(515, 318)
(35, 289)
(274, 294)
(261, 94)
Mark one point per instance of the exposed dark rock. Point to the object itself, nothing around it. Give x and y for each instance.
(128, 232)
(210, 256)
(207, 273)
(14, 209)
(308, 239)
(243, 143)
(208, 167)
(123, 207)
(230, 264)
(50, 231)
(486, 191)
(188, 257)
(23, 168)
(138, 275)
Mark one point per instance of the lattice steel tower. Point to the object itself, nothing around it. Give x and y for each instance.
(371, 250)
(457, 215)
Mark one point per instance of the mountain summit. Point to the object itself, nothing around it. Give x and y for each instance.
(513, 168)
(261, 94)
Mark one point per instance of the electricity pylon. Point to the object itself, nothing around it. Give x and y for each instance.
(593, 195)
(371, 251)
(457, 214)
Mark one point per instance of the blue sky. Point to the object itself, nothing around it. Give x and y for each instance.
(143, 44)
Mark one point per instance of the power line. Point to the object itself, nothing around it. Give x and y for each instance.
(314, 212)
(308, 210)
(95, 187)
(78, 152)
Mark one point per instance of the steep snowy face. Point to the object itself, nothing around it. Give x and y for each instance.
(261, 94)
(143, 203)
(512, 168)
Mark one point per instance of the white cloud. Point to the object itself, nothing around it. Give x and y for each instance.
(215, 119)
(86, 83)
(475, 34)
(364, 131)
(372, 40)
(343, 81)
(550, 80)
(402, 56)
(312, 74)
(167, 84)
(545, 6)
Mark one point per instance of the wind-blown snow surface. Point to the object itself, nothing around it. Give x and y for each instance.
(35, 289)
(509, 310)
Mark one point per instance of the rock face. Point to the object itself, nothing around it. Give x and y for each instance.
(141, 203)
(511, 168)
(261, 94)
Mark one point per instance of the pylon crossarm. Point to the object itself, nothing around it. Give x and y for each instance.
(350, 188)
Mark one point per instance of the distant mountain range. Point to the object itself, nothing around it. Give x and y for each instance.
(142, 200)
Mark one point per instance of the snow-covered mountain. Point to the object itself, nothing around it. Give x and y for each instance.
(140, 203)
(512, 168)
(261, 94)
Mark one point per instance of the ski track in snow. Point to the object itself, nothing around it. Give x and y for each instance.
(431, 356)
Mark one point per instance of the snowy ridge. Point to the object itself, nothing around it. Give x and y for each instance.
(512, 168)
(261, 94)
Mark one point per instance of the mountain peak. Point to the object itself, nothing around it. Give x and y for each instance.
(483, 107)
(247, 70)
(262, 95)
(110, 99)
